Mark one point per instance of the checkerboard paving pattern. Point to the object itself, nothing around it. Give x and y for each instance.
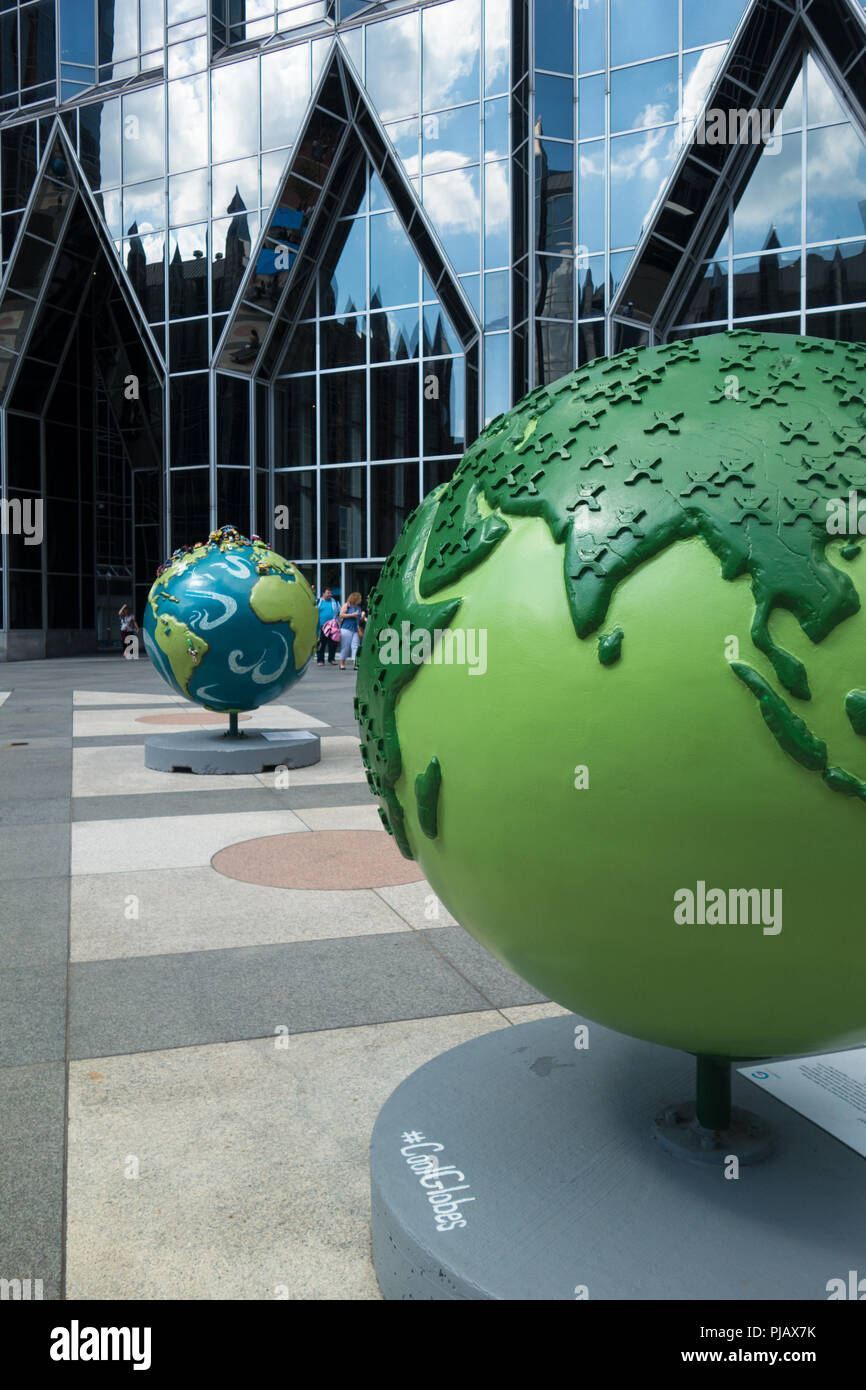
(199, 1044)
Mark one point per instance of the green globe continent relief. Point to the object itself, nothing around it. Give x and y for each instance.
(274, 599)
(183, 649)
(749, 442)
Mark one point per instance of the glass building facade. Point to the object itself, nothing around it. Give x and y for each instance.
(276, 264)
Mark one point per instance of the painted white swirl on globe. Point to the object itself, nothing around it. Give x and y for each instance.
(255, 671)
(200, 621)
(242, 571)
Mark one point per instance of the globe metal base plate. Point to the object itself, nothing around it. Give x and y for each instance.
(678, 1131)
(210, 751)
(548, 1156)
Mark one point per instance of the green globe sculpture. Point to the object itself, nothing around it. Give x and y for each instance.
(229, 623)
(612, 693)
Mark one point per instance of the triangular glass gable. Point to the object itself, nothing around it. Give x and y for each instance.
(754, 270)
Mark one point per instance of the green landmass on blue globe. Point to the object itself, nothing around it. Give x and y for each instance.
(229, 623)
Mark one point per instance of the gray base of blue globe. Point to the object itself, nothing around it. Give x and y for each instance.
(519, 1167)
(210, 753)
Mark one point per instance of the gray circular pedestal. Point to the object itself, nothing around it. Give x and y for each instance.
(209, 751)
(547, 1155)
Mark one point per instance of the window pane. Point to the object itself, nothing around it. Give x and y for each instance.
(394, 335)
(344, 426)
(766, 284)
(344, 342)
(394, 267)
(393, 66)
(344, 512)
(705, 21)
(836, 274)
(642, 31)
(768, 213)
(835, 183)
(554, 107)
(189, 418)
(645, 95)
(554, 196)
(554, 34)
(343, 278)
(452, 50)
(295, 423)
(235, 110)
(444, 398)
(297, 492)
(394, 412)
(555, 287)
(393, 495)
(450, 139)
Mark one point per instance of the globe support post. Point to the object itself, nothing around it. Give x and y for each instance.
(233, 725)
(713, 1092)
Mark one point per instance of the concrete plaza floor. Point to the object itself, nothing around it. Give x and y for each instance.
(191, 1058)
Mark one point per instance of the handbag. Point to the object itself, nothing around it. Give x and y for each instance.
(331, 630)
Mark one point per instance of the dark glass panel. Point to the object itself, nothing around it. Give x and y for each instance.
(189, 347)
(37, 51)
(836, 274)
(394, 412)
(444, 388)
(190, 506)
(766, 284)
(189, 416)
(626, 335)
(393, 495)
(344, 427)
(784, 325)
(62, 600)
(590, 341)
(708, 301)
(61, 460)
(18, 152)
(438, 471)
(31, 261)
(22, 461)
(233, 498)
(439, 336)
(297, 492)
(554, 106)
(846, 325)
(232, 421)
(394, 335)
(344, 512)
(555, 288)
(343, 342)
(243, 347)
(554, 196)
(554, 350)
(295, 422)
(61, 536)
(301, 356)
(25, 600)
(187, 272)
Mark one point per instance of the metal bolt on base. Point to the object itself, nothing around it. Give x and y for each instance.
(708, 1129)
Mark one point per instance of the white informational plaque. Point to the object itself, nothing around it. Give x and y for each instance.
(829, 1089)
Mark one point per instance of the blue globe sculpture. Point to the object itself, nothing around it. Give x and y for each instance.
(229, 623)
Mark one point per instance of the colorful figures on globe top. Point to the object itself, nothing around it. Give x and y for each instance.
(229, 623)
(648, 799)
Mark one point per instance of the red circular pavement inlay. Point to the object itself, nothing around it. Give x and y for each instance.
(318, 859)
(184, 718)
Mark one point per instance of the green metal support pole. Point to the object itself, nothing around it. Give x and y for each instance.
(233, 724)
(713, 1092)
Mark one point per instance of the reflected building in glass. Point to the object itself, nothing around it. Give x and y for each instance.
(277, 263)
